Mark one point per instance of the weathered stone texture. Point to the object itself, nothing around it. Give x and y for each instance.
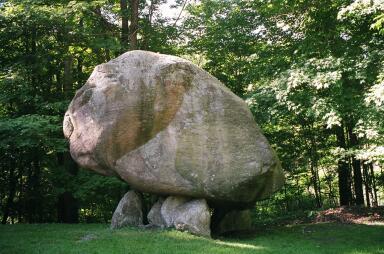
(194, 217)
(166, 126)
(128, 211)
(154, 216)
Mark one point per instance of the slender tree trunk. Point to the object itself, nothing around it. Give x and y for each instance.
(59, 85)
(315, 185)
(124, 25)
(79, 71)
(298, 192)
(68, 76)
(314, 169)
(28, 195)
(366, 184)
(343, 171)
(33, 195)
(356, 166)
(286, 198)
(20, 209)
(80, 60)
(34, 70)
(134, 24)
(374, 200)
(11, 193)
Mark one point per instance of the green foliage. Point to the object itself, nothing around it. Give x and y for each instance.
(306, 69)
(49, 48)
(310, 71)
(32, 132)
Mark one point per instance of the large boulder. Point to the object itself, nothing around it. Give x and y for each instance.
(128, 211)
(166, 126)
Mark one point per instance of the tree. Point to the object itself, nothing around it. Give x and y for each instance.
(314, 66)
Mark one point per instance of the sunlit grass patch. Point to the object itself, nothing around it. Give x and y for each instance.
(98, 238)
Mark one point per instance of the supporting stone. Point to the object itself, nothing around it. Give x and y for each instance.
(183, 214)
(169, 208)
(128, 212)
(154, 216)
(194, 217)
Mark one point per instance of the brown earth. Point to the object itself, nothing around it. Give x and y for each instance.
(355, 215)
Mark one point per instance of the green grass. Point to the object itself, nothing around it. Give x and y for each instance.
(97, 238)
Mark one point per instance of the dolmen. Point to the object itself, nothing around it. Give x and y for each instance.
(169, 128)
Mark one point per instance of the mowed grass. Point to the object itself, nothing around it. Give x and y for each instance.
(98, 238)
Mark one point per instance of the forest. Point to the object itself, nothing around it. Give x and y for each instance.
(312, 73)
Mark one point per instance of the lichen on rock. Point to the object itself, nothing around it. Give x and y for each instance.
(167, 127)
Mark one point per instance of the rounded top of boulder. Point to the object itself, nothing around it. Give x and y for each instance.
(166, 126)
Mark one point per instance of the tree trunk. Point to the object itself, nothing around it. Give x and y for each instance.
(134, 24)
(356, 166)
(124, 25)
(79, 72)
(68, 76)
(343, 171)
(67, 204)
(20, 196)
(80, 60)
(316, 185)
(34, 68)
(374, 199)
(67, 208)
(367, 184)
(12, 190)
(313, 166)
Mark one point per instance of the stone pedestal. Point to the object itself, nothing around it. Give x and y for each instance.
(128, 212)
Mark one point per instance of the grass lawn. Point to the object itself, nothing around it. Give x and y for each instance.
(98, 238)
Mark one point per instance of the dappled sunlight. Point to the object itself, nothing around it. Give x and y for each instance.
(184, 236)
(332, 238)
(240, 245)
(222, 243)
(219, 243)
(366, 252)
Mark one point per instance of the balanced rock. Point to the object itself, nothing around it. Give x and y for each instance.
(167, 127)
(128, 211)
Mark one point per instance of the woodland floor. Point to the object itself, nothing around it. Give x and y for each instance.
(333, 231)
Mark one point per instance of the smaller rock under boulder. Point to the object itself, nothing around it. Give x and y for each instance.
(194, 217)
(128, 212)
(182, 214)
(235, 221)
(154, 216)
(169, 209)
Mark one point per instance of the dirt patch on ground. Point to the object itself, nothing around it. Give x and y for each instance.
(356, 215)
